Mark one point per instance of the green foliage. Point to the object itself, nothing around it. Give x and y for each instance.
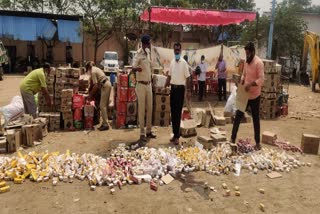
(288, 29)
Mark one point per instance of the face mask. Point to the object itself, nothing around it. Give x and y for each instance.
(177, 56)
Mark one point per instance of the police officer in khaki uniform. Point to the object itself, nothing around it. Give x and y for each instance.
(100, 82)
(142, 65)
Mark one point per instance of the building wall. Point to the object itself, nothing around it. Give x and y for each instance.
(313, 21)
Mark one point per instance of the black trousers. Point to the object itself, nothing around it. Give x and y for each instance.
(254, 106)
(176, 105)
(222, 84)
(202, 85)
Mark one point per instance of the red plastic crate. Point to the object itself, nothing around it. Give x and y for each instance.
(132, 96)
(122, 94)
(123, 80)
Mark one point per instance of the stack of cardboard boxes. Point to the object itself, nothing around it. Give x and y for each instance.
(66, 107)
(50, 81)
(268, 103)
(126, 101)
(132, 105)
(61, 83)
(161, 108)
(66, 78)
(161, 101)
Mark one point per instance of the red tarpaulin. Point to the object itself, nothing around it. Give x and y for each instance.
(196, 16)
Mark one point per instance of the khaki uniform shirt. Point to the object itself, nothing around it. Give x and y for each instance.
(143, 61)
(97, 75)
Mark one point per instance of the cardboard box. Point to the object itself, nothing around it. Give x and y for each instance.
(123, 80)
(268, 116)
(122, 94)
(3, 145)
(67, 93)
(66, 108)
(54, 121)
(219, 121)
(269, 89)
(120, 120)
(132, 109)
(207, 142)
(162, 91)
(218, 138)
(132, 96)
(271, 84)
(161, 107)
(310, 144)
(31, 133)
(121, 107)
(14, 140)
(131, 120)
(88, 111)
(67, 115)
(271, 95)
(68, 124)
(269, 66)
(228, 120)
(161, 122)
(162, 99)
(188, 128)
(132, 80)
(269, 137)
(158, 81)
(267, 103)
(227, 114)
(161, 118)
(43, 122)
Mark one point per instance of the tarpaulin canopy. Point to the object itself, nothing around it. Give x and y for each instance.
(196, 16)
(69, 31)
(26, 28)
(30, 26)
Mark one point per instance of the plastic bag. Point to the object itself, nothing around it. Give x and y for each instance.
(13, 110)
(231, 103)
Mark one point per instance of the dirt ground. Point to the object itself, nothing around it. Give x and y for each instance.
(296, 192)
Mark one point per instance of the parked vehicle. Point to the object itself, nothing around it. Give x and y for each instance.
(110, 62)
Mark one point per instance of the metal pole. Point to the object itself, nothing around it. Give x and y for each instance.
(271, 30)
(149, 10)
(257, 26)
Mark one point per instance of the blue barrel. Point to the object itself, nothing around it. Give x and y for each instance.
(113, 78)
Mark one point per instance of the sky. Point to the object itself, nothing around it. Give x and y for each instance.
(265, 5)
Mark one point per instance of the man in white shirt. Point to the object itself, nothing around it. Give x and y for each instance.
(202, 77)
(179, 78)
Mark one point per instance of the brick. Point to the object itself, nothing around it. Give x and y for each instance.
(268, 137)
(310, 144)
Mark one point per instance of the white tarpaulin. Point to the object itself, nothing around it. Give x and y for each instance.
(231, 55)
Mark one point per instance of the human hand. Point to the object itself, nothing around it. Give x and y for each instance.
(49, 104)
(247, 87)
(188, 95)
